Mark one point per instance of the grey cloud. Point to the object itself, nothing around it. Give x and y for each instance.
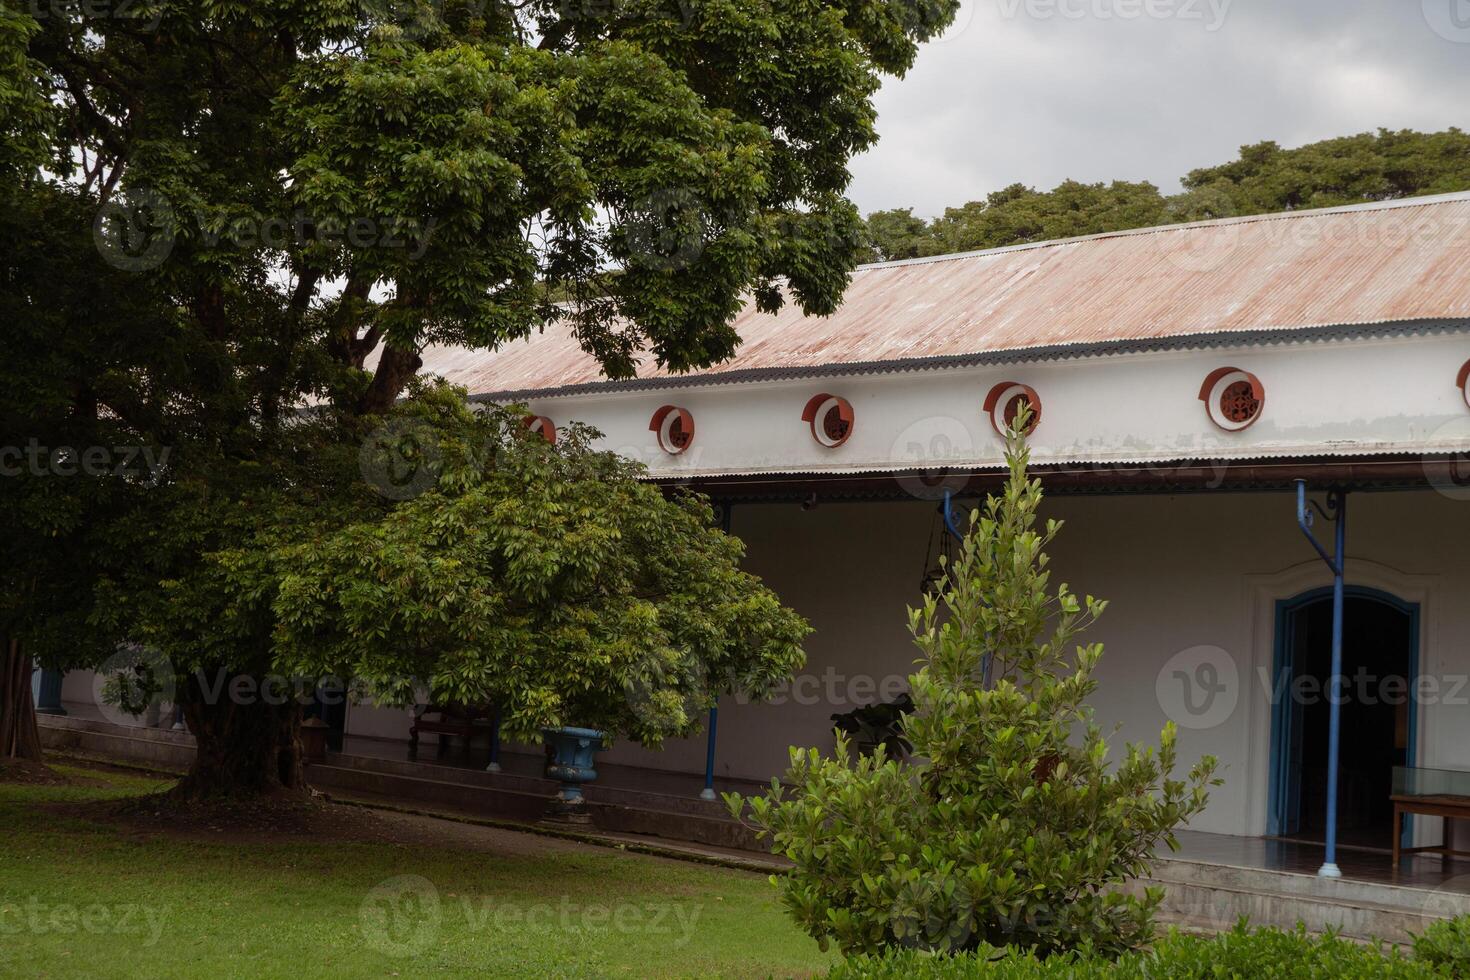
(1021, 91)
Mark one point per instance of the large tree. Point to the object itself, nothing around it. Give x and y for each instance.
(290, 199)
(71, 327)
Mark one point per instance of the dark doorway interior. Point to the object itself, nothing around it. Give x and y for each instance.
(1377, 661)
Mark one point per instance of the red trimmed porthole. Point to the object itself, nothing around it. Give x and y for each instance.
(1463, 383)
(1004, 403)
(675, 429)
(1233, 398)
(542, 426)
(830, 418)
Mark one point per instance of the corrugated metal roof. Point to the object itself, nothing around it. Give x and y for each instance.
(1396, 262)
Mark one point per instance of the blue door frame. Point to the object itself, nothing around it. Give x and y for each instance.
(1286, 715)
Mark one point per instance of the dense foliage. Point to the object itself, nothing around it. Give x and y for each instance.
(548, 580)
(1266, 178)
(1010, 825)
(1446, 946)
(1242, 952)
(213, 212)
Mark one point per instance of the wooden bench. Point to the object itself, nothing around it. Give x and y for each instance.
(1448, 806)
(453, 720)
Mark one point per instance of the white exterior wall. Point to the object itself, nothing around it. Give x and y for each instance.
(1182, 572)
(1325, 398)
(1201, 569)
(1178, 571)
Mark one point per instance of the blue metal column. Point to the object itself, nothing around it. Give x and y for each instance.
(48, 696)
(1337, 512)
(708, 793)
(949, 523)
(494, 764)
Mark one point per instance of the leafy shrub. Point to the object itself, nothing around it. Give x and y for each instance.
(1010, 826)
(1446, 945)
(1242, 952)
(550, 580)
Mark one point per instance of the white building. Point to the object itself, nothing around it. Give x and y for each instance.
(1185, 377)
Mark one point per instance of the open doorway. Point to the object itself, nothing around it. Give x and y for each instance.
(1379, 661)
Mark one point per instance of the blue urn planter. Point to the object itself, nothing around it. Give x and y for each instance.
(571, 755)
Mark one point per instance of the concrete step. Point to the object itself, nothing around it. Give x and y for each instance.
(145, 746)
(504, 802)
(483, 793)
(520, 782)
(1214, 897)
(1180, 871)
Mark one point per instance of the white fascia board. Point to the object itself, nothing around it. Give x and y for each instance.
(1323, 398)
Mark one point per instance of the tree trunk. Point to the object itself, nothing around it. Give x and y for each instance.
(395, 368)
(246, 746)
(19, 736)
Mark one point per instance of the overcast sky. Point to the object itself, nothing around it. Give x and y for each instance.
(1037, 91)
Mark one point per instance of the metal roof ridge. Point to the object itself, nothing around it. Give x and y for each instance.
(1451, 197)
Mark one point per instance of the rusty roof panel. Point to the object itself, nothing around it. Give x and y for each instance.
(1367, 264)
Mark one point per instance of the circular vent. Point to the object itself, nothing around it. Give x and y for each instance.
(1233, 398)
(1004, 404)
(831, 419)
(542, 426)
(675, 429)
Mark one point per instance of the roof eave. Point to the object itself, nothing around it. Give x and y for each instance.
(1020, 355)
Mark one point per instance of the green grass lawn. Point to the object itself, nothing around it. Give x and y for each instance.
(82, 896)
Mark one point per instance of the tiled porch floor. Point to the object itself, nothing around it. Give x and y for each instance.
(1266, 854)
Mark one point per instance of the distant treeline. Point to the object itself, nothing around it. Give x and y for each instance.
(1348, 170)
